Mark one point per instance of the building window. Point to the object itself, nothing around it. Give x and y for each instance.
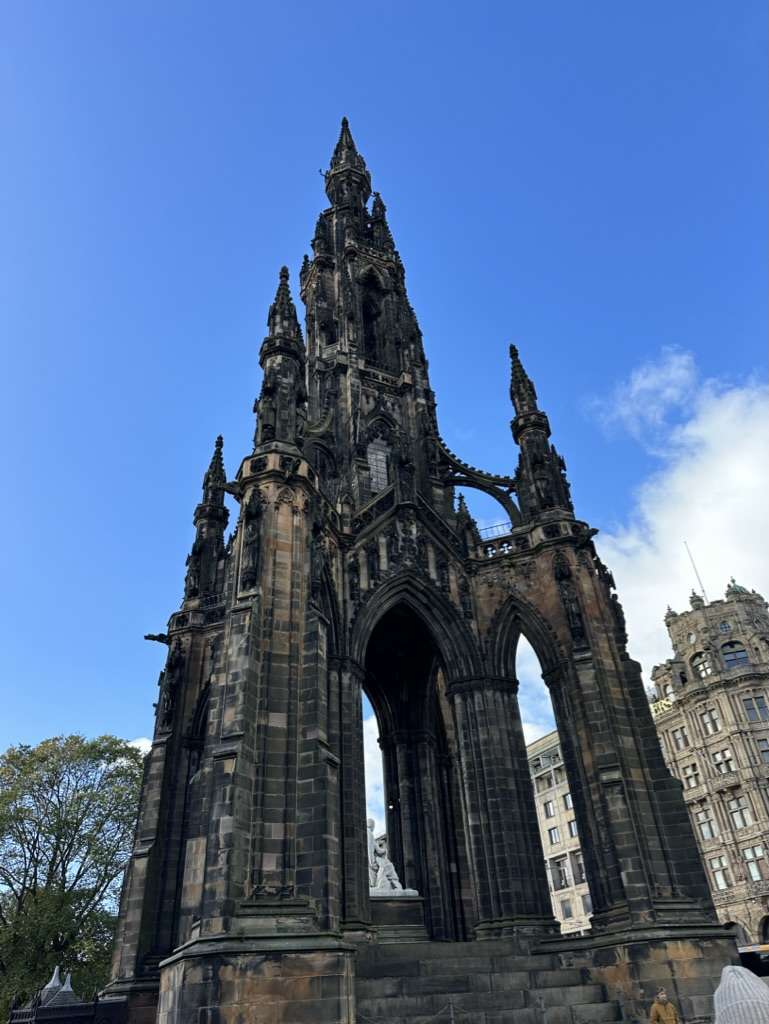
(734, 654)
(578, 868)
(711, 723)
(567, 803)
(587, 904)
(753, 855)
(573, 829)
(756, 709)
(554, 836)
(549, 808)
(680, 738)
(691, 776)
(706, 825)
(701, 665)
(740, 812)
(725, 627)
(378, 464)
(545, 782)
(720, 872)
(722, 759)
(566, 910)
(559, 872)
(763, 749)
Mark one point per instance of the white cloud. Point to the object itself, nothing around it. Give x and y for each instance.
(643, 403)
(533, 695)
(710, 490)
(142, 743)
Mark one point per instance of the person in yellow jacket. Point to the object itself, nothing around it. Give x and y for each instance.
(663, 1011)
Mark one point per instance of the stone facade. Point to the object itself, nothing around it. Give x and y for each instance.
(711, 708)
(569, 892)
(355, 568)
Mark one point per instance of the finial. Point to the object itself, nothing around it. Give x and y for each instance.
(215, 478)
(347, 174)
(281, 320)
(522, 392)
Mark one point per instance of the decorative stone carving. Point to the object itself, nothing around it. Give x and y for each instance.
(353, 572)
(568, 591)
(252, 528)
(372, 560)
(168, 682)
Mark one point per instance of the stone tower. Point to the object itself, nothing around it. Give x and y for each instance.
(354, 568)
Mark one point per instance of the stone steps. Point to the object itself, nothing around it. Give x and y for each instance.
(485, 983)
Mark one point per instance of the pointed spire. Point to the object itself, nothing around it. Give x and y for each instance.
(380, 229)
(215, 478)
(522, 392)
(281, 407)
(347, 176)
(282, 320)
(345, 152)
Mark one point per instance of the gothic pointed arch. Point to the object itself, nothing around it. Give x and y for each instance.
(454, 639)
(517, 617)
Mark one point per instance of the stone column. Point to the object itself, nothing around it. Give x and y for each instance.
(356, 915)
(506, 859)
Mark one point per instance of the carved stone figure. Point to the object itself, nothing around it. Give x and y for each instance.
(252, 520)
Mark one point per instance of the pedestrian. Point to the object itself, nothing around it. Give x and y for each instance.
(741, 998)
(663, 1011)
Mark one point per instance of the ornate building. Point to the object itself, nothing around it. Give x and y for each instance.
(711, 709)
(354, 568)
(569, 892)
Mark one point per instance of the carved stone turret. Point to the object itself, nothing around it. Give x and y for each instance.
(282, 406)
(540, 480)
(204, 579)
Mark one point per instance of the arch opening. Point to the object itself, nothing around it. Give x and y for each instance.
(412, 794)
(570, 894)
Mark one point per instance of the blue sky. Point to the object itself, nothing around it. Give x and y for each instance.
(587, 180)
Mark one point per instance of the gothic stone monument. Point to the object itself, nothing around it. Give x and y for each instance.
(354, 569)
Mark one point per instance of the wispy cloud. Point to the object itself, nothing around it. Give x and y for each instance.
(644, 403)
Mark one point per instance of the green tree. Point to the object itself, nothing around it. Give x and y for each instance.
(67, 818)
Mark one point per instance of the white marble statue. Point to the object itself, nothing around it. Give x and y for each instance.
(383, 878)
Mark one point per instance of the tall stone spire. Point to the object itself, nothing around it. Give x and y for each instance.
(522, 392)
(215, 478)
(210, 519)
(281, 407)
(540, 479)
(381, 235)
(347, 179)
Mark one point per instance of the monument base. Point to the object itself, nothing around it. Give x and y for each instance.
(226, 980)
(632, 966)
(398, 918)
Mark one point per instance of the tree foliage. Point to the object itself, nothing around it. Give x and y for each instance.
(67, 817)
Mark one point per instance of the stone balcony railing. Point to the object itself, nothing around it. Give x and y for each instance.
(725, 781)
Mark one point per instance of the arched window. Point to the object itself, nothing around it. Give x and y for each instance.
(734, 654)
(701, 665)
(378, 454)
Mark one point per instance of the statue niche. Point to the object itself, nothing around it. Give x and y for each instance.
(378, 349)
